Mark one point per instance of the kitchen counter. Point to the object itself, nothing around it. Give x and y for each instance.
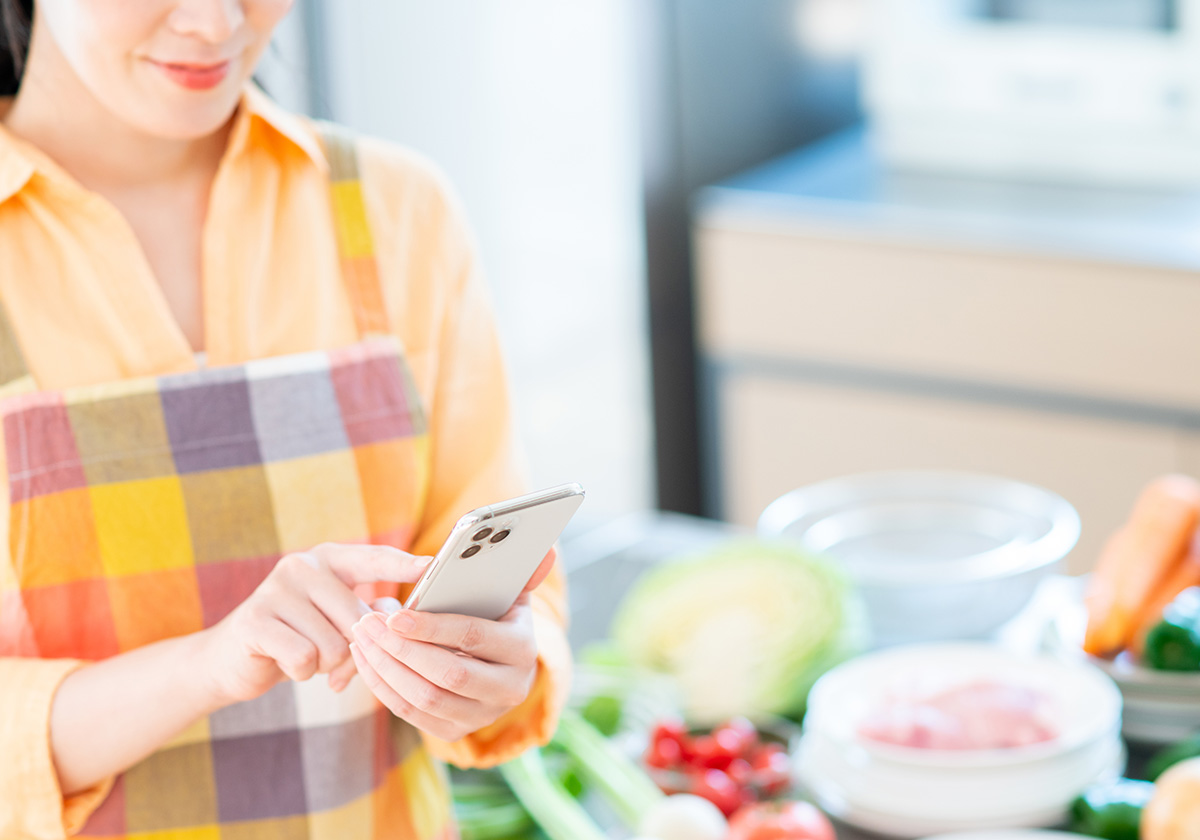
(603, 562)
(841, 184)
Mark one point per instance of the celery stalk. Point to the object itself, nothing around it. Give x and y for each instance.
(624, 785)
(496, 822)
(560, 816)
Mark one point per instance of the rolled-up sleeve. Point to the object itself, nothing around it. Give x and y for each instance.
(32, 806)
(443, 314)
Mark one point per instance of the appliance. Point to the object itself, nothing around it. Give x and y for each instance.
(1094, 91)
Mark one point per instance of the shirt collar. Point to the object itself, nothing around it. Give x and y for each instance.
(296, 130)
(256, 112)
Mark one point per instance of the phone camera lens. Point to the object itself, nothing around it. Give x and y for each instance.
(471, 551)
(482, 533)
(500, 535)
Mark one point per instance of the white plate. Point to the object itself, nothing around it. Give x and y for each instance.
(908, 792)
(1017, 834)
(1084, 704)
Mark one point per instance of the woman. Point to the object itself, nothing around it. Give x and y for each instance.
(246, 369)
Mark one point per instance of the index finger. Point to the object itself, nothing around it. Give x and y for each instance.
(358, 564)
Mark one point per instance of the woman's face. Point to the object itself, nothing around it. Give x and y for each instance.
(170, 68)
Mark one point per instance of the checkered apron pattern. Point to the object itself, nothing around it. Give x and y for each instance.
(150, 508)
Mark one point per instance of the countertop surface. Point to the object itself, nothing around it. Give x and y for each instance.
(603, 561)
(841, 186)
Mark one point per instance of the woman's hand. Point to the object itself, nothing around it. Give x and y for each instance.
(298, 622)
(450, 675)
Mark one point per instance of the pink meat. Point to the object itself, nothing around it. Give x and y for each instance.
(979, 716)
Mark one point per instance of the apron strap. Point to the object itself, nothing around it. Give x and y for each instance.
(356, 246)
(12, 360)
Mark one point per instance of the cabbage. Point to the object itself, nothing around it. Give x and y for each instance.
(745, 629)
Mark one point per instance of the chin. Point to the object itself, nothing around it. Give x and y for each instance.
(185, 120)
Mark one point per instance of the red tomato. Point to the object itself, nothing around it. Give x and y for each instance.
(717, 788)
(710, 753)
(669, 730)
(780, 821)
(663, 753)
(772, 769)
(740, 771)
(736, 737)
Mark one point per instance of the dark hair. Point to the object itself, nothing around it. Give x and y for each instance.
(15, 19)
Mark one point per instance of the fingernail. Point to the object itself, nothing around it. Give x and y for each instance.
(372, 626)
(402, 622)
(424, 561)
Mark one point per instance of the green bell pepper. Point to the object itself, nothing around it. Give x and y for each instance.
(1168, 757)
(1174, 643)
(1111, 810)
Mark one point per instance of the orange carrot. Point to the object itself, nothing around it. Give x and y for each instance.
(1183, 576)
(1138, 558)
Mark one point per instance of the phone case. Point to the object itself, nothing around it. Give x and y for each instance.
(492, 553)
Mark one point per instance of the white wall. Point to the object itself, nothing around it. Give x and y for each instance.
(529, 106)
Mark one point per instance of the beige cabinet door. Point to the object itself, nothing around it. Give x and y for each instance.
(1102, 330)
(776, 434)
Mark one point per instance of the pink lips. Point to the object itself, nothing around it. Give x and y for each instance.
(195, 76)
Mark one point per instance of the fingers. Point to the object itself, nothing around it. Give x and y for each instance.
(543, 570)
(295, 655)
(506, 642)
(337, 602)
(304, 613)
(311, 623)
(341, 676)
(461, 675)
(407, 694)
(355, 564)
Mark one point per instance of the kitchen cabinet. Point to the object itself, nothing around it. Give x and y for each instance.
(853, 319)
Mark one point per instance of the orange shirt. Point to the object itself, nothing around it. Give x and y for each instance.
(88, 310)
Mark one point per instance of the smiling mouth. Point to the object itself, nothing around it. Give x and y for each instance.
(194, 76)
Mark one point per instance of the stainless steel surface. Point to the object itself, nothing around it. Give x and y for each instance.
(840, 185)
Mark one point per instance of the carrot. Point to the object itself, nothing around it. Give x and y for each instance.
(1138, 558)
(1183, 576)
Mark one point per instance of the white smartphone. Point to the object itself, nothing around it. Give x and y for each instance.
(492, 553)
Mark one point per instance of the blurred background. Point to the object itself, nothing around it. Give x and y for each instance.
(740, 246)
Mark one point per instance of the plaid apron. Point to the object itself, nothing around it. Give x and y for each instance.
(150, 508)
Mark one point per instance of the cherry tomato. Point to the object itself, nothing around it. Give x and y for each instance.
(710, 753)
(780, 821)
(740, 771)
(738, 737)
(717, 788)
(772, 769)
(764, 755)
(663, 753)
(669, 730)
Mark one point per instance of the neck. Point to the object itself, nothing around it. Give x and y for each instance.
(56, 112)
